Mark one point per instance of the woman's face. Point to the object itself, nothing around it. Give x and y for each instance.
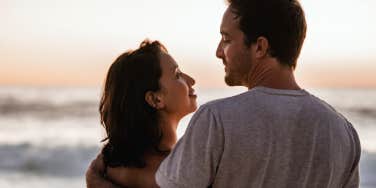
(177, 94)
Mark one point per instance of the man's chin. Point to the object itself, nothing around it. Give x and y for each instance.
(230, 82)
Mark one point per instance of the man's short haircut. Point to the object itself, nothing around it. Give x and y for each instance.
(282, 22)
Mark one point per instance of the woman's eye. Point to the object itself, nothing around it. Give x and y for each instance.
(178, 75)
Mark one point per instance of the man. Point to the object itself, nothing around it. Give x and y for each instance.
(274, 135)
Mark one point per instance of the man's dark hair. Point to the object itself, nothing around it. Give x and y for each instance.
(282, 22)
(131, 124)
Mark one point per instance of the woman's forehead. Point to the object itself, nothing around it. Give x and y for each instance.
(167, 61)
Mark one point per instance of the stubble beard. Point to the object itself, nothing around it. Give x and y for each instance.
(232, 79)
(229, 81)
(237, 77)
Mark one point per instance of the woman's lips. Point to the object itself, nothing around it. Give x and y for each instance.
(192, 93)
(193, 96)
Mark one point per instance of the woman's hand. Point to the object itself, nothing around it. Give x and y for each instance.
(94, 175)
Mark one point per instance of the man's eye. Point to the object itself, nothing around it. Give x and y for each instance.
(225, 40)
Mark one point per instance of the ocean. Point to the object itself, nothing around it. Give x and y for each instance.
(48, 136)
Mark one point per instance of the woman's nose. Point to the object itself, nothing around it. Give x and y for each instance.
(189, 79)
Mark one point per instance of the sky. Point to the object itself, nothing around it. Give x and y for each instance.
(73, 42)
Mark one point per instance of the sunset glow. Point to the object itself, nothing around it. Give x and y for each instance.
(51, 42)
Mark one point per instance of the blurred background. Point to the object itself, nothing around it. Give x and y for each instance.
(54, 56)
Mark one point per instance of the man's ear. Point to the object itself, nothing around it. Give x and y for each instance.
(154, 100)
(262, 47)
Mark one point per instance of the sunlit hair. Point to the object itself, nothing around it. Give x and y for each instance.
(282, 22)
(131, 123)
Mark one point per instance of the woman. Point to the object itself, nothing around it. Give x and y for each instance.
(144, 98)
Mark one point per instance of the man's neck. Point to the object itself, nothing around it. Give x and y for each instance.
(272, 74)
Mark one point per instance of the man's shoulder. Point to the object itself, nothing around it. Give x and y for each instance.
(228, 103)
(318, 104)
(326, 112)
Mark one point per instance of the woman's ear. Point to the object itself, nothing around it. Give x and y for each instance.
(154, 100)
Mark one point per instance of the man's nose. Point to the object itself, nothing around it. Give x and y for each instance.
(219, 52)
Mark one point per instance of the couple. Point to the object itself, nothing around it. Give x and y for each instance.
(274, 135)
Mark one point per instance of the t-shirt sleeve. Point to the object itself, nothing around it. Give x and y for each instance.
(353, 180)
(195, 158)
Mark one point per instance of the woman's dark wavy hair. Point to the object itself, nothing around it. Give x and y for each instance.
(131, 123)
(282, 22)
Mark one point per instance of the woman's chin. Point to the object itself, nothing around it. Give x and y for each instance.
(193, 108)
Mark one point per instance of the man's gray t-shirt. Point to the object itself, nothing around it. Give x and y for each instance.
(264, 138)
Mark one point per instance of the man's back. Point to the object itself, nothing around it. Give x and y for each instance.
(265, 138)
